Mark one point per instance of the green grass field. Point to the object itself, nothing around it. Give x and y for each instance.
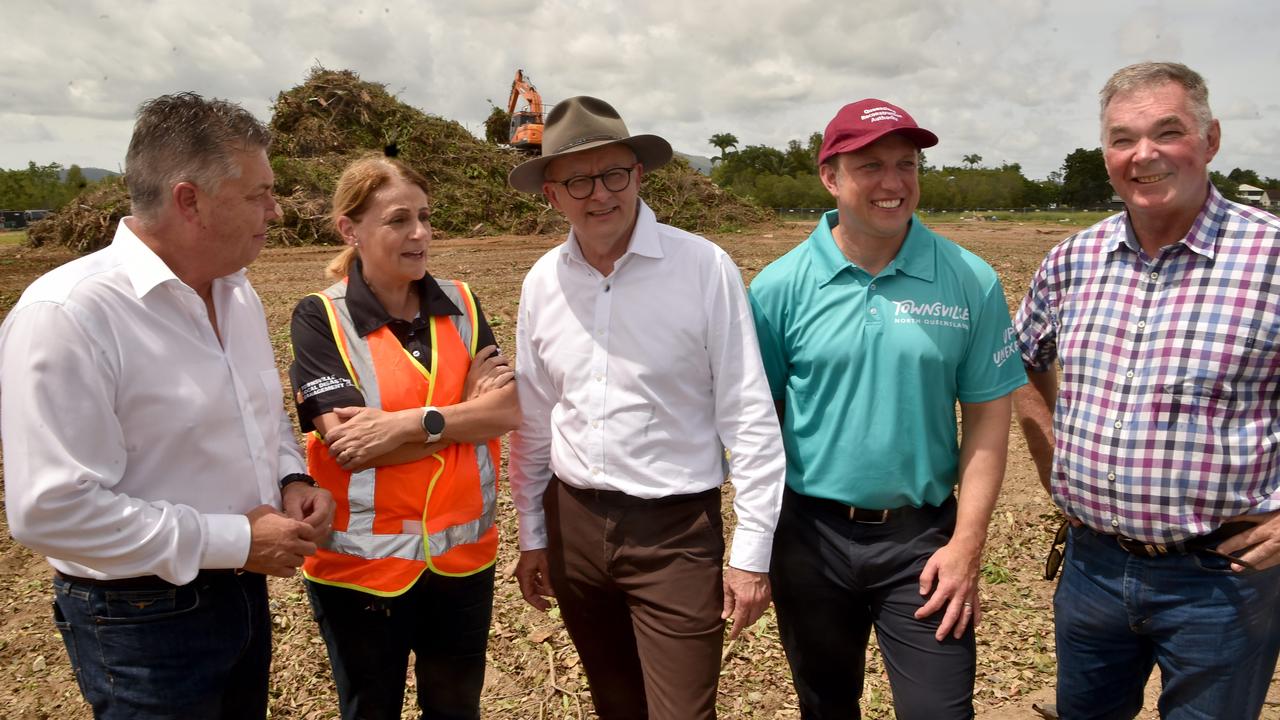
(12, 237)
(1065, 217)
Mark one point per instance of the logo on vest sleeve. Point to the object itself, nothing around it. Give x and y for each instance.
(910, 312)
(320, 386)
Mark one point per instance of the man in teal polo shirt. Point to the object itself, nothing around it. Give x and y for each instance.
(871, 331)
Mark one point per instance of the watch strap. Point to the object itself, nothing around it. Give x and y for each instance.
(296, 477)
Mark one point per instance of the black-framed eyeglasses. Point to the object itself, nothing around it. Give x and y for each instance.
(580, 187)
(1053, 562)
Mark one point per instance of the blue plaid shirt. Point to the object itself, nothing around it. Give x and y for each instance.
(1168, 414)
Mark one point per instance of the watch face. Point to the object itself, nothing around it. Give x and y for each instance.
(433, 422)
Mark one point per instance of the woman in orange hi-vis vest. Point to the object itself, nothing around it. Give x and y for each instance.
(398, 379)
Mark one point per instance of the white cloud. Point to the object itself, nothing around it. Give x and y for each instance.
(1011, 80)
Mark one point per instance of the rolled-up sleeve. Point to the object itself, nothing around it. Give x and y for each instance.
(1036, 323)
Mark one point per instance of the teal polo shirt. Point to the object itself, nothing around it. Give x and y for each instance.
(871, 368)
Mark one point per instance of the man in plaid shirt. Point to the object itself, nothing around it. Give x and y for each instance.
(1163, 445)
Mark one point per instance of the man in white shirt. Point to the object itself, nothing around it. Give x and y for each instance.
(146, 446)
(637, 368)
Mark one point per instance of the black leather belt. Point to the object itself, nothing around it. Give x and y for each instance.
(865, 516)
(147, 582)
(621, 499)
(1137, 547)
(1140, 548)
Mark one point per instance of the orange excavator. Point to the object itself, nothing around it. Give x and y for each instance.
(526, 125)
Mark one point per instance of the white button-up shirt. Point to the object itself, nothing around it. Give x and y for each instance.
(639, 381)
(134, 441)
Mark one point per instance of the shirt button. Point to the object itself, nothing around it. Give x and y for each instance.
(1142, 324)
(599, 378)
(873, 311)
(1155, 276)
(417, 354)
(1111, 476)
(1129, 374)
(872, 286)
(595, 471)
(1118, 424)
(595, 423)
(1115, 522)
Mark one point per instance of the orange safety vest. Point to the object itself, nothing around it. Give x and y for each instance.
(393, 523)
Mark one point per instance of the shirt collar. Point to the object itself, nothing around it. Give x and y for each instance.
(145, 269)
(1201, 239)
(644, 238)
(367, 313)
(916, 257)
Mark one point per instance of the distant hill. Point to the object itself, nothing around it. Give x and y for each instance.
(92, 174)
(698, 162)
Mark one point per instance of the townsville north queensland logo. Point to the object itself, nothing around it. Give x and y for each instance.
(936, 313)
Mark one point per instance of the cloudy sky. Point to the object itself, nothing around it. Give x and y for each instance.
(1010, 80)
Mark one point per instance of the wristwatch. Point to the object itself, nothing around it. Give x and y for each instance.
(432, 424)
(296, 477)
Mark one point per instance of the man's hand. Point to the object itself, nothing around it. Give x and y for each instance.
(952, 576)
(277, 543)
(312, 505)
(531, 573)
(489, 371)
(365, 433)
(1264, 536)
(746, 596)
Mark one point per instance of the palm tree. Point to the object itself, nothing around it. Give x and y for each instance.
(972, 160)
(723, 141)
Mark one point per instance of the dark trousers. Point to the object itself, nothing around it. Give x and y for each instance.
(145, 649)
(639, 585)
(443, 620)
(834, 579)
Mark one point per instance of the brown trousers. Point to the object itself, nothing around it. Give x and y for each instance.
(639, 587)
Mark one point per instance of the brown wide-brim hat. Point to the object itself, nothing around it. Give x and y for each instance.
(585, 123)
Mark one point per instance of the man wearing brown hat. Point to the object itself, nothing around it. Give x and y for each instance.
(638, 372)
(871, 331)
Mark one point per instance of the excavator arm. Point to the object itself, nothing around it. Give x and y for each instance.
(526, 124)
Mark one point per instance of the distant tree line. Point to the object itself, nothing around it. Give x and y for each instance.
(40, 187)
(788, 178)
(769, 176)
(1229, 184)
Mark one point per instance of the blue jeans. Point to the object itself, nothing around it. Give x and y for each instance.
(156, 650)
(445, 622)
(1214, 633)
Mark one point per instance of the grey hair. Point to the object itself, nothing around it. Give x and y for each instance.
(186, 138)
(1152, 74)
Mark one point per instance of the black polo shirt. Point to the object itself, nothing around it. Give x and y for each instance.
(320, 378)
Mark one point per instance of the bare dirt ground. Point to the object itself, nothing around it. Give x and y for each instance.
(533, 669)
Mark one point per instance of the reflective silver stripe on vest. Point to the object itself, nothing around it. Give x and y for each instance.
(461, 322)
(376, 547)
(360, 490)
(359, 539)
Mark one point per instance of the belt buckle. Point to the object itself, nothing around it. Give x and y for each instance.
(1137, 547)
(884, 516)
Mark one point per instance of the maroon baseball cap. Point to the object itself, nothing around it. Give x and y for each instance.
(861, 123)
